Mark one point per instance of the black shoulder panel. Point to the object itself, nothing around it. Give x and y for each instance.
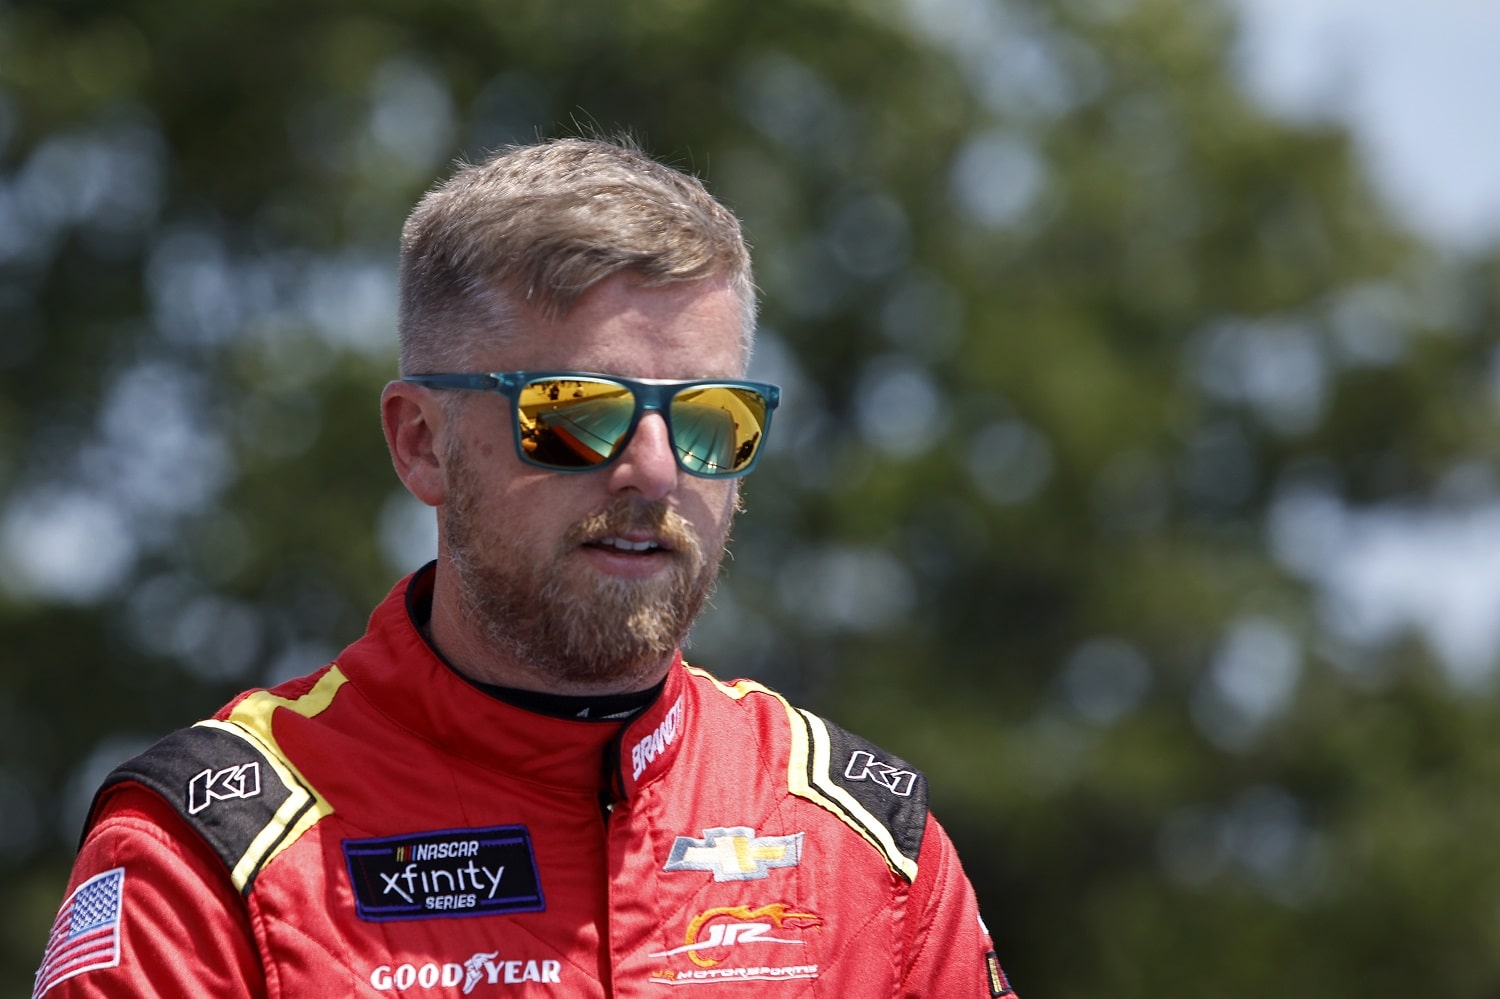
(226, 786)
(879, 794)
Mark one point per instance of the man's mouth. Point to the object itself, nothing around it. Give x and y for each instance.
(626, 545)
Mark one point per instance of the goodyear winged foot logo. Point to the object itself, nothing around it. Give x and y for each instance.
(483, 967)
(734, 853)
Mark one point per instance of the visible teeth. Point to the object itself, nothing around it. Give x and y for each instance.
(628, 546)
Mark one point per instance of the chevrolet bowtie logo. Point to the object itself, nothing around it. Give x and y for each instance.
(735, 854)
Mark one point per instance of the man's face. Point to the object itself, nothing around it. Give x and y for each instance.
(589, 581)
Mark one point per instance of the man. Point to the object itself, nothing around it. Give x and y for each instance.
(512, 784)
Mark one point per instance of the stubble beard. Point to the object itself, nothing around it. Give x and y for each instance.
(562, 620)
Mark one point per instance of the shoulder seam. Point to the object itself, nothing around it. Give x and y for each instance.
(231, 783)
(809, 776)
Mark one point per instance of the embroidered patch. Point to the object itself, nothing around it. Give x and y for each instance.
(484, 966)
(86, 934)
(773, 942)
(712, 933)
(654, 743)
(455, 872)
(864, 766)
(998, 984)
(735, 854)
(228, 784)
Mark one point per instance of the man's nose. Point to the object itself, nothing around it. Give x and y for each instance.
(647, 465)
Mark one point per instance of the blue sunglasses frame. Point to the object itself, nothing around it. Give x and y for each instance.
(698, 449)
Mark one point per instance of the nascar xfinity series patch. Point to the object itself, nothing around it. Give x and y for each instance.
(455, 872)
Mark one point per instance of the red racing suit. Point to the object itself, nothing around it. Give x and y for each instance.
(382, 827)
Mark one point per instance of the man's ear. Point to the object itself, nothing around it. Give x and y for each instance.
(413, 420)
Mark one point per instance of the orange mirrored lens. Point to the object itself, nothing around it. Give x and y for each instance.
(717, 429)
(573, 423)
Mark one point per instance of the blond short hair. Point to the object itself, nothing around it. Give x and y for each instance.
(538, 226)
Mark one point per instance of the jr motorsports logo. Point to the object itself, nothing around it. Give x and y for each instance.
(457, 872)
(735, 854)
(711, 933)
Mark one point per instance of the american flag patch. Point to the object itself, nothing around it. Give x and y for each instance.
(86, 933)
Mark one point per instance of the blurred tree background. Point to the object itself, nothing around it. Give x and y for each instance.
(1111, 402)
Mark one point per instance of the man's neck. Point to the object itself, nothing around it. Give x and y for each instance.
(592, 708)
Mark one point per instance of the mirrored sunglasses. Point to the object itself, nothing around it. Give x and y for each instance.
(572, 421)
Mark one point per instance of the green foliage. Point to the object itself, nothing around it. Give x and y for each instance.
(1064, 323)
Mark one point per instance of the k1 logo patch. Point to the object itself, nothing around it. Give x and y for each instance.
(456, 872)
(864, 766)
(239, 781)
